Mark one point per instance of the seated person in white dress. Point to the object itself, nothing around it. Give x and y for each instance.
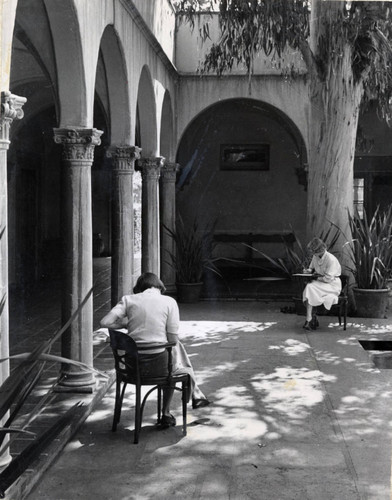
(326, 287)
(151, 317)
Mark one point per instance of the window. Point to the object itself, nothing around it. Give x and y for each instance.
(359, 190)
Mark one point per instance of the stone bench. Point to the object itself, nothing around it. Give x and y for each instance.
(250, 257)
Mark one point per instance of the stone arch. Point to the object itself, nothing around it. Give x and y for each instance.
(117, 90)
(242, 200)
(33, 66)
(167, 131)
(34, 159)
(70, 69)
(284, 121)
(147, 114)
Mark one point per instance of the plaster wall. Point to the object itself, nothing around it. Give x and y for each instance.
(291, 97)
(7, 17)
(160, 18)
(33, 23)
(138, 53)
(24, 67)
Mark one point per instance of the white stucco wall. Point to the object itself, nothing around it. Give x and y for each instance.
(290, 96)
(160, 19)
(191, 51)
(7, 17)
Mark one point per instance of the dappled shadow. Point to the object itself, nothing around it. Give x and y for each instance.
(210, 332)
(289, 412)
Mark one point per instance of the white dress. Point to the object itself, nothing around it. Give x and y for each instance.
(326, 289)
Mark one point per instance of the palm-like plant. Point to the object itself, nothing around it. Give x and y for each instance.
(370, 249)
(194, 245)
(14, 393)
(296, 256)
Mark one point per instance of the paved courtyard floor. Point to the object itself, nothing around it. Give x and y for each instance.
(295, 415)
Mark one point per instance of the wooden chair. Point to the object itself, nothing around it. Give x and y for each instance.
(126, 360)
(342, 304)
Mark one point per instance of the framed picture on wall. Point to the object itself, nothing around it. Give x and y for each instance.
(244, 156)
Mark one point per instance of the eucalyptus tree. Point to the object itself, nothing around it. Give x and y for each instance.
(346, 47)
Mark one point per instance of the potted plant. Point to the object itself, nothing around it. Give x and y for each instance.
(370, 258)
(194, 244)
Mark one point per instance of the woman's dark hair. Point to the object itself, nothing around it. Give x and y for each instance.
(148, 280)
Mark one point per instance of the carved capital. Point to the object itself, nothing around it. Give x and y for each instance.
(123, 157)
(78, 143)
(11, 109)
(169, 172)
(150, 168)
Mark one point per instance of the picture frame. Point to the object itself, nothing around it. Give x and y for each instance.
(244, 156)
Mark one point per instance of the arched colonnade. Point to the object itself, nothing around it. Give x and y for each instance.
(107, 115)
(62, 65)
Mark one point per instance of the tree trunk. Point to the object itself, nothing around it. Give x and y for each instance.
(334, 113)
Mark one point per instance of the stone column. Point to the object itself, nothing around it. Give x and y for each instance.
(167, 200)
(122, 219)
(150, 169)
(11, 109)
(76, 231)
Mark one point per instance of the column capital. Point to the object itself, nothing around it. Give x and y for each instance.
(78, 143)
(150, 167)
(11, 109)
(169, 171)
(123, 157)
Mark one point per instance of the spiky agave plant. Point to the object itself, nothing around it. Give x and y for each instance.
(194, 243)
(14, 393)
(370, 249)
(296, 256)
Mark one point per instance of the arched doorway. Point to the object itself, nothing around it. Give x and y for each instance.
(243, 166)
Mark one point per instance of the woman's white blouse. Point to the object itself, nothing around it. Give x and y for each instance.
(328, 265)
(150, 315)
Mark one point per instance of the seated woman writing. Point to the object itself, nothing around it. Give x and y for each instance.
(151, 317)
(326, 286)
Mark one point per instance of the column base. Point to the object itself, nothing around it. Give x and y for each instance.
(76, 382)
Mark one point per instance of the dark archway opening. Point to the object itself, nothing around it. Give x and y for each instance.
(240, 160)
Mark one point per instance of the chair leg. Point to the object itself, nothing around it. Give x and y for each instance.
(345, 316)
(138, 423)
(184, 406)
(159, 404)
(340, 314)
(118, 404)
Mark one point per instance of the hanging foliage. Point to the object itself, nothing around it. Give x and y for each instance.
(357, 33)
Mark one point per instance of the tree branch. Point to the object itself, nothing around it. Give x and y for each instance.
(308, 56)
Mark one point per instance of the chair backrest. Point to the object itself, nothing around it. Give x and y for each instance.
(123, 342)
(126, 362)
(344, 280)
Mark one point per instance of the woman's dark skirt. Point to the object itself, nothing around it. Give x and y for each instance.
(153, 365)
